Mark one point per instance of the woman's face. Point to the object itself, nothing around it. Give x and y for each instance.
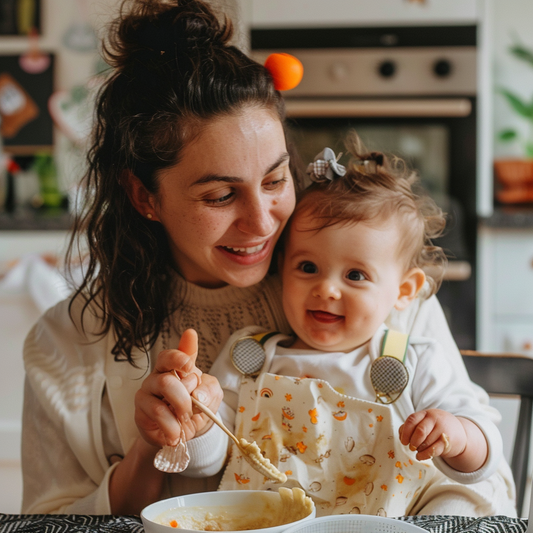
(225, 204)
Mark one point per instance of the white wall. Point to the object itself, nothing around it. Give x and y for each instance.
(18, 313)
(511, 20)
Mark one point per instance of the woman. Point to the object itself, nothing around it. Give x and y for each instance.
(189, 188)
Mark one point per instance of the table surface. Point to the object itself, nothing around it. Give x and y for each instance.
(126, 524)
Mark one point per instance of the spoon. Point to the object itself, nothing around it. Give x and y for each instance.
(250, 450)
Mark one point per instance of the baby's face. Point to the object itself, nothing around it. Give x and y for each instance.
(340, 283)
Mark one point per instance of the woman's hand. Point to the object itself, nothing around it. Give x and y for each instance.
(163, 405)
(435, 432)
(162, 408)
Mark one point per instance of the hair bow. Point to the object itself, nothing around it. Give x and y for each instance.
(325, 166)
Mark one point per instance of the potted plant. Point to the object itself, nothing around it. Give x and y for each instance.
(515, 175)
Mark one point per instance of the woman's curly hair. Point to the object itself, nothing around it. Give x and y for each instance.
(174, 70)
(378, 188)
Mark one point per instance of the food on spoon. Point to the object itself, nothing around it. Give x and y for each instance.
(252, 453)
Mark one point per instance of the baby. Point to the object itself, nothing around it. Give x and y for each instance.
(361, 417)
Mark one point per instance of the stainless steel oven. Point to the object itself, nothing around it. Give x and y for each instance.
(407, 90)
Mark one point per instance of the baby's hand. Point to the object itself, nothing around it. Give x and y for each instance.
(434, 433)
(163, 404)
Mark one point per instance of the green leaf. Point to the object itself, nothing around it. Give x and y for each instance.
(522, 53)
(507, 135)
(522, 108)
(78, 93)
(529, 149)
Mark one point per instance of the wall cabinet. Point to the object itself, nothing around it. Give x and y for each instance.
(505, 306)
(505, 309)
(513, 273)
(280, 13)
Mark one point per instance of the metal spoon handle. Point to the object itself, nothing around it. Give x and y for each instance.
(250, 451)
(216, 420)
(211, 415)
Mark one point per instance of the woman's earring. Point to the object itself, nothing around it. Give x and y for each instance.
(149, 215)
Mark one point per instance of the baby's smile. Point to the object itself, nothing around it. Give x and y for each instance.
(325, 317)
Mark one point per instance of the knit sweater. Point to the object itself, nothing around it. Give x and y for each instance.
(217, 313)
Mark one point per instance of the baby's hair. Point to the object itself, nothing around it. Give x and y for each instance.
(376, 187)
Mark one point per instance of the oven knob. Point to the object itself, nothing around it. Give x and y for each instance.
(387, 69)
(338, 71)
(442, 68)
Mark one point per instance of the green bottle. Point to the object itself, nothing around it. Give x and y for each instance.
(46, 169)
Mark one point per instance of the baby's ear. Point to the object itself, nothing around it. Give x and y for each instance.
(412, 281)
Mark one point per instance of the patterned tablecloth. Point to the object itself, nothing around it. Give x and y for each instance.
(127, 524)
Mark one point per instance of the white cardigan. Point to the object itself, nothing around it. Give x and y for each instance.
(65, 455)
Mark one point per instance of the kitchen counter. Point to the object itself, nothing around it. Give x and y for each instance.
(58, 219)
(36, 220)
(510, 217)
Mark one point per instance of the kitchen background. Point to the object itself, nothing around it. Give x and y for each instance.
(31, 238)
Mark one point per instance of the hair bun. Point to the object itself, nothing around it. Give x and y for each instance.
(187, 25)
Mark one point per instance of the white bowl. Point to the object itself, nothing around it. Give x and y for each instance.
(355, 523)
(245, 499)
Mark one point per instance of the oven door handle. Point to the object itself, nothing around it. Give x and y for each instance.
(435, 107)
(456, 271)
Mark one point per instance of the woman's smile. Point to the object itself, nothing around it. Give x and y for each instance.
(248, 255)
(245, 250)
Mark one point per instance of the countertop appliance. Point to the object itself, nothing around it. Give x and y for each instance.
(411, 91)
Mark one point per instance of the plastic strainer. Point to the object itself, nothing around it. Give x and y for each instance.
(354, 524)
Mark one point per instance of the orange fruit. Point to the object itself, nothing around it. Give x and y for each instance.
(286, 70)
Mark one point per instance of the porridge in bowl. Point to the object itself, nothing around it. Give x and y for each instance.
(230, 511)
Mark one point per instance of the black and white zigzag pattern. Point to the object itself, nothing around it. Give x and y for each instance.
(38, 523)
(463, 524)
(131, 524)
